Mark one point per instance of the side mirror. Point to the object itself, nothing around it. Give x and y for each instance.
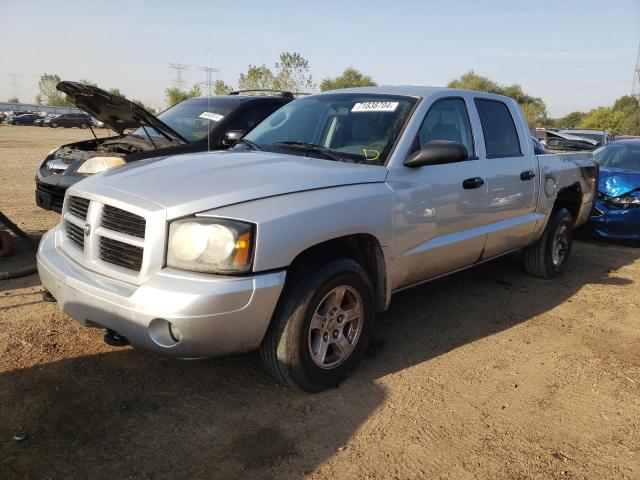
(437, 152)
(232, 136)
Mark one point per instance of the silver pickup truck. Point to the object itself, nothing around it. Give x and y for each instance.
(293, 240)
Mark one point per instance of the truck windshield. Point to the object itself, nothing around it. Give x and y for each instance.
(193, 118)
(352, 127)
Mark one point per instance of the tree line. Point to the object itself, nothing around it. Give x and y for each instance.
(291, 72)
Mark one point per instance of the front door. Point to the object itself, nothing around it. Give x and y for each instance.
(439, 209)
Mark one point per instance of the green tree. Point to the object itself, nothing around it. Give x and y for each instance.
(349, 78)
(116, 92)
(292, 73)
(221, 88)
(48, 95)
(534, 108)
(13, 100)
(175, 95)
(571, 120)
(256, 78)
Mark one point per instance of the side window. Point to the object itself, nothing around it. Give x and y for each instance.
(259, 111)
(447, 119)
(500, 135)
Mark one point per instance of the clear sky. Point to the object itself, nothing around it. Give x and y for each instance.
(576, 55)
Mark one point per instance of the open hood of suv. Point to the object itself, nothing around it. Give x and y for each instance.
(114, 111)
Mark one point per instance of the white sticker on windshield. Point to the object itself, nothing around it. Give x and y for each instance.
(216, 117)
(375, 107)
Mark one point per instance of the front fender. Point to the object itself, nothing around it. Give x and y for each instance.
(289, 224)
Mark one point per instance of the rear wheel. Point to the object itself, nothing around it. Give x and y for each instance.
(54, 125)
(321, 328)
(548, 257)
(83, 125)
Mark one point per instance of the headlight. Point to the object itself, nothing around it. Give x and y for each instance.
(626, 200)
(211, 245)
(100, 164)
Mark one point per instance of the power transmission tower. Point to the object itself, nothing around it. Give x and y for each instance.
(15, 77)
(209, 82)
(635, 90)
(178, 81)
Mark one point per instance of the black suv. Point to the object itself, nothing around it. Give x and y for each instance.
(68, 120)
(194, 125)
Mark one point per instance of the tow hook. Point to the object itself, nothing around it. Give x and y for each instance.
(114, 339)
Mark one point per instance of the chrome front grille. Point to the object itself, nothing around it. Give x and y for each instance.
(106, 239)
(75, 234)
(120, 253)
(122, 221)
(78, 206)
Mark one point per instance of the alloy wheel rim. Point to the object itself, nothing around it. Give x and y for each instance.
(335, 327)
(560, 246)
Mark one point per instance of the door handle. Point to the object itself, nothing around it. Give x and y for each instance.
(475, 182)
(527, 175)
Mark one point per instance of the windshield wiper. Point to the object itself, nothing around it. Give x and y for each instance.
(248, 143)
(310, 147)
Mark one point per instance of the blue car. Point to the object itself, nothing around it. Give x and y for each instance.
(617, 211)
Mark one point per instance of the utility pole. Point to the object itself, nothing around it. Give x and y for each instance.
(209, 82)
(178, 81)
(635, 90)
(15, 78)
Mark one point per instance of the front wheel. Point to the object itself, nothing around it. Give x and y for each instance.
(321, 328)
(548, 257)
(83, 125)
(54, 125)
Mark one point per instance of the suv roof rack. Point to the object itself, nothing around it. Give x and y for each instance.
(282, 93)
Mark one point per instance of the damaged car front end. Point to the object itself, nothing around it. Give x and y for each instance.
(617, 210)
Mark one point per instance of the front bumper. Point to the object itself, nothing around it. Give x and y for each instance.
(214, 314)
(50, 187)
(615, 223)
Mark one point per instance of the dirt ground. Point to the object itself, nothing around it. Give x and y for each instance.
(486, 374)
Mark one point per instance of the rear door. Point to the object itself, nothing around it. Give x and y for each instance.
(511, 172)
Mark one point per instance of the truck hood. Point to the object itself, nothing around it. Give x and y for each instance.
(191, 183)
(114, 111)
(615, 182)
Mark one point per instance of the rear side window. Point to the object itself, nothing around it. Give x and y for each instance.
(500, 135)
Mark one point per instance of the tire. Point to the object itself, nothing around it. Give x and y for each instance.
(292, 350)
(54, 125)
(83, 125)
(548, 257)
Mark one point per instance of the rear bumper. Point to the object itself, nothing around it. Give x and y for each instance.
(620, 224)
(212, 314)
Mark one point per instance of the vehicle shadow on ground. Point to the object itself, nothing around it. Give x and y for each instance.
(127, 413)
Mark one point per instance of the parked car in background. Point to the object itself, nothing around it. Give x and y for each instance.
(24, 119)
(69, 120)
(565, 142)
(601, 136)
(292, 241)
(617, 211)
(538, 147)
(38, 122)
(194, 125)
